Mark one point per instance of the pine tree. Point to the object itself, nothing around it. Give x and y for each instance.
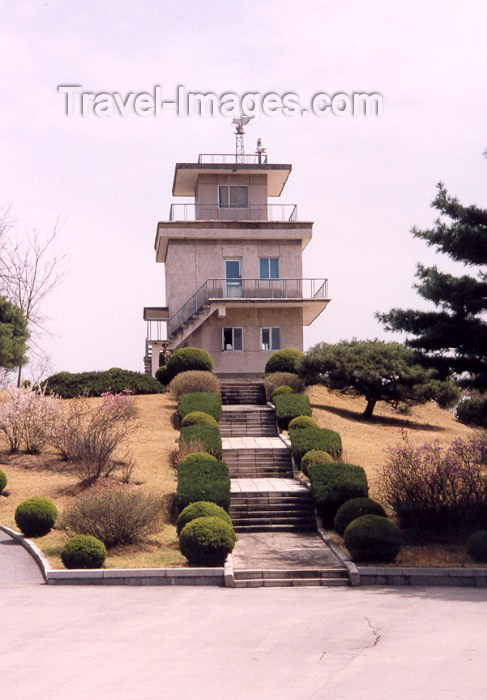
(452, 338)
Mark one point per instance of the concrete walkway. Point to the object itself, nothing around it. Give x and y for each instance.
(282, 550)
(17, 567)
(183, 643)
(252, 443)
(266, 485)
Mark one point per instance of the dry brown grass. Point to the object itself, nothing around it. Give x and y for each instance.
(365, 441)
(151, 444)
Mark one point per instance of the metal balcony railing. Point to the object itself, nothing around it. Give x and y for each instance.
(247, 158)
(214, 290)
(212, 212)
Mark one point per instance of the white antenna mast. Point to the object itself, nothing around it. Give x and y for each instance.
(240, 122)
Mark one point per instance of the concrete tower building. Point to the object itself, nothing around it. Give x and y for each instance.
(233, 265)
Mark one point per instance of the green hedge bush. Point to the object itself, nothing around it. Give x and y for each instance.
(372, 538)
(207, 541)
(477, 546)
(198, 457)
(68, 385)
(275, 379)
(333, 484)
(187, 359)
(282, 390)
(201, 509)
(3, 480)
(307, 439)
(200, 401)
(194, 380)
(289, 406)
(473, 411)
(314, 457)
(354, 508)
(36, 516)
(206, 435)
(301, 422)
(198, 418)
(204, 480)
(83, 552)
(286, 360)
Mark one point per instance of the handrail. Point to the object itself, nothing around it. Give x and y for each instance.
(217, 289)
(244, 158)
(189, 211)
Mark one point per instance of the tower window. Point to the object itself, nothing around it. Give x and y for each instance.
(232, 339)
(269, 268)
(270, 338)
(233, 196)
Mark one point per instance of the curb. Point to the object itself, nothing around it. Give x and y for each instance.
(32, 548)
(428, 576)
(353, 573)
(228, 574)
(210, 576)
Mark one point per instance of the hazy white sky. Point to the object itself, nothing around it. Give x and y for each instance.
(364, 182)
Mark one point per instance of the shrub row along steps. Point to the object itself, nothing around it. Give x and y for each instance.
(256, 463)
(261, 511)
(259, 578)
(243, 393)
(252, 421)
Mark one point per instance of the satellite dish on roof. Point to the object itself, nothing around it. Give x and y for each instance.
(240, 122)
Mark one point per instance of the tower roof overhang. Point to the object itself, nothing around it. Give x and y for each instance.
(186, 175)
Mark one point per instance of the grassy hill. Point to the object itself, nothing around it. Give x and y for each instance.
(365, 442)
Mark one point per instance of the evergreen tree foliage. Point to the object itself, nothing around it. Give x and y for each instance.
(452, 338)
(13, 335)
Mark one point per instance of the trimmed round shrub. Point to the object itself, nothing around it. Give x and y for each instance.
(162, 375)
(186, 359)
(354, 508)
(201, 509)
(372, 538)
(301, 422)
(315, 457)
(473, 411)
(36, 516)
(286, 360)
(283, 389)
(477, 546)
(198, 418)
(204, 401)
(83, 552)
(3, 480)
(272, 381)
(198, 457)
(194, 380)
(207, 541)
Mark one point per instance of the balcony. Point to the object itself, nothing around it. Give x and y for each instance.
(268, 292)
(212, 212)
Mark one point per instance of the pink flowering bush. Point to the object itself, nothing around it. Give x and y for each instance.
(437, 490)
(28, 418)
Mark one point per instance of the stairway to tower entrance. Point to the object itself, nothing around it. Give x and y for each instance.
(271, 511)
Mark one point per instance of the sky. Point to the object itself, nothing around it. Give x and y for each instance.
(363, 181)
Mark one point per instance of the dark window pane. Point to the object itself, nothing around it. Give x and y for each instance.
(264, 268)
(276, 338)
(274, 265)
(237, 338)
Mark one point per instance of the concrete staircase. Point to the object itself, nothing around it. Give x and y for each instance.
(256, 463)
(272, 511)
(259, 578)
(251, 421)
(250, 393)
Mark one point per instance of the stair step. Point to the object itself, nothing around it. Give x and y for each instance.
(274, 528)
(290, 582)
(289, 573)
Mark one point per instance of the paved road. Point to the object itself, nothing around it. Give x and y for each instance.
(17, 567)
(150, 643)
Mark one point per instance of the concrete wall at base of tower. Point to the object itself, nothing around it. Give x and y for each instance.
(251, 359)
